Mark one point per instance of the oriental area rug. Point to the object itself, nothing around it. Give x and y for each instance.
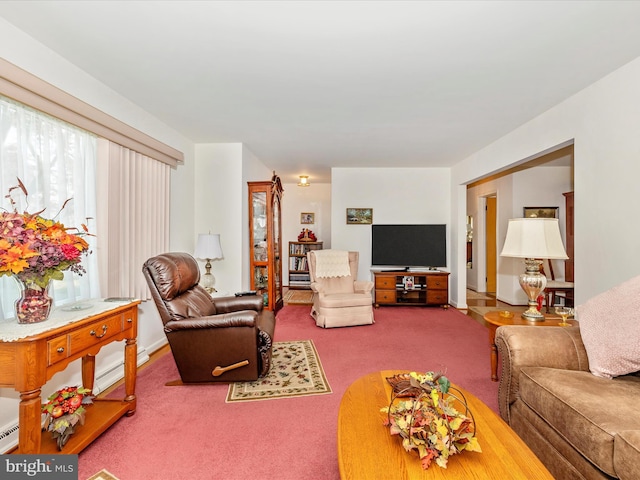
(295, 371)
(102, 475)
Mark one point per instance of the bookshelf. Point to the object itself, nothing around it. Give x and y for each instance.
(298, 264)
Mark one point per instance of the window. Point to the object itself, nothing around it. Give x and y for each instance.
(56, 161)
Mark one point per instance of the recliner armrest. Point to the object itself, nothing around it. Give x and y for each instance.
(363, 286)
(523, 346)
(233, 304)
(242, 318)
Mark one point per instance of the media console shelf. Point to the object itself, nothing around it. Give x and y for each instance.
(411, 288)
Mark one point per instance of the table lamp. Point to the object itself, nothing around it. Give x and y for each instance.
(208, 248)
(533, 239)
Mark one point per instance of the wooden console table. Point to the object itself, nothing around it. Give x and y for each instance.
(427, 288)
(28, 362)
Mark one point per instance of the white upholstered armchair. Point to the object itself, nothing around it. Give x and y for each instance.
(339, 299)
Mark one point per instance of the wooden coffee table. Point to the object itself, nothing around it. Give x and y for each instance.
(494, 320)
(366, 450)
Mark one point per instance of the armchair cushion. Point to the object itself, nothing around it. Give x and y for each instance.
(610, 327)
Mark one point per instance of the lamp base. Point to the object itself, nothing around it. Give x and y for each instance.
(532, 314)
(533, 283)
(207, 281)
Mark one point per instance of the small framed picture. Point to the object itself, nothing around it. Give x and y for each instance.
(307, 218)
(541, 212)
(359, 216)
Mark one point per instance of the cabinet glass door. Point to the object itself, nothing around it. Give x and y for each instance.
(259, 242)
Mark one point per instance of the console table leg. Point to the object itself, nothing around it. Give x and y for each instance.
(130, 360)
(494, 352)
(29, 436)
(88, 371)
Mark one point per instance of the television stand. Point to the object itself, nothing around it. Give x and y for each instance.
(427, 288)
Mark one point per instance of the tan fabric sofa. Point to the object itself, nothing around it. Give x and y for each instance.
(580, 426)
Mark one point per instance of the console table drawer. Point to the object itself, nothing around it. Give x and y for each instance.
(385, 296)
(94, 333)
(437, 297)
(57, 349)
(386, 282)
(437, 282)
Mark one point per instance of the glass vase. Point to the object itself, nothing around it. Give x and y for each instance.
(34, 303)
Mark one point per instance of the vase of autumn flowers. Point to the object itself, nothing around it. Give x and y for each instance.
(36, 250)
(431, 416)
(64, 411)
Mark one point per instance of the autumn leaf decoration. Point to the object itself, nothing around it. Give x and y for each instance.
(422, 411)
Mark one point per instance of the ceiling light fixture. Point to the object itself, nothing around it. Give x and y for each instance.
(304, 181)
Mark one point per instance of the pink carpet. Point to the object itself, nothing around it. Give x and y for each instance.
(189, 431)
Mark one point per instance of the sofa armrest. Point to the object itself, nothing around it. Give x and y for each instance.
(523, 346)
(363, 286)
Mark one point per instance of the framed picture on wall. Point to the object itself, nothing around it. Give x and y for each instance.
(359, 216)
(541, 212)
(307, 218)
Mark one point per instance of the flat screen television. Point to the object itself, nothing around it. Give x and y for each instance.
(409, 246)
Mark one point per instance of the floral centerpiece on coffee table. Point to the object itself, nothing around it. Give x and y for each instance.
(423, 412)
(64, 410)
(36, 250)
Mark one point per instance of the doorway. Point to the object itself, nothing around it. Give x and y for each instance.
(490, 243)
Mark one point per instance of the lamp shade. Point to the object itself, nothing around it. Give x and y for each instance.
(208, 246)
(534, 238)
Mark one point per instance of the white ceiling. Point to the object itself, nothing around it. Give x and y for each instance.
(308, 85)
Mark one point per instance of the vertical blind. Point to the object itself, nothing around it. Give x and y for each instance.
(134, 213)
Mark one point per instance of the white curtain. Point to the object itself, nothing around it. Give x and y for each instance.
(56, 161)
(134, 217)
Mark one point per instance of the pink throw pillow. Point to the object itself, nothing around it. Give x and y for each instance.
(610, 330)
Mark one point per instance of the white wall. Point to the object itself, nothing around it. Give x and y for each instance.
(602, 122)
(218, 209)
(315, 199)
(397, 195)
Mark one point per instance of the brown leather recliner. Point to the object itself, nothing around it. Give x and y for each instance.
(226, 339)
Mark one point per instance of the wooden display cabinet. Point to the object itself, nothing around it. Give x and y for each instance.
(265, 241)
(411, 288)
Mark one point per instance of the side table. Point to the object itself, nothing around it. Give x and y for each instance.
(495, 320)
(29, 361)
